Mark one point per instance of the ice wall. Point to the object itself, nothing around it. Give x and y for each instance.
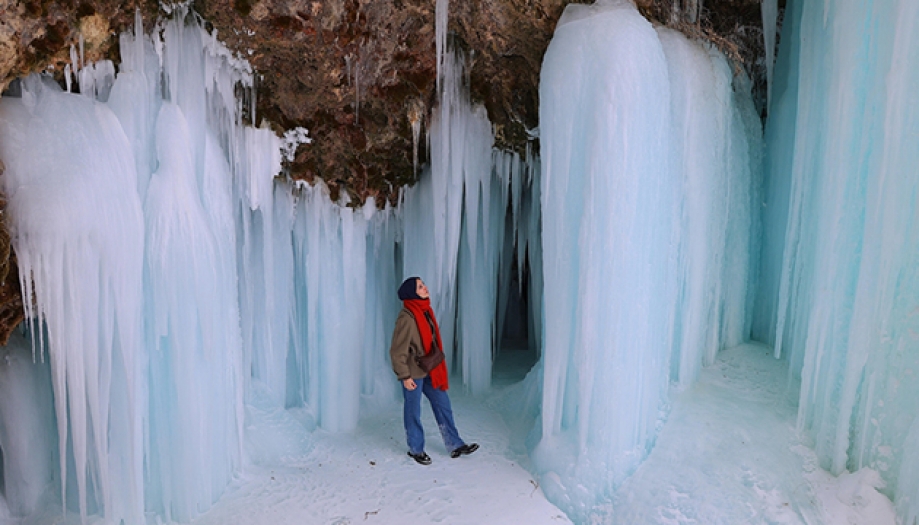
(85, 270)
(650, 172)
(608, 198)
(845, 308)
(183, 284)
(124, 207)
(333, 288)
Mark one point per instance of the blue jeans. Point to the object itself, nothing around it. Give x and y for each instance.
(440, 404)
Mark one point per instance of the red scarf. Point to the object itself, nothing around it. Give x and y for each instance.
(419, 307)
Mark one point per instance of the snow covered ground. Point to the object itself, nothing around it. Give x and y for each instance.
(366, 476)
(729, 454)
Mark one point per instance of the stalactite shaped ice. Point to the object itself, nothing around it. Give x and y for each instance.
(770, 14)
(441, 20)
(135, 99)
(84, 270)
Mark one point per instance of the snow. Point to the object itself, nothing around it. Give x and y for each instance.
(366, 477)
(730, 454)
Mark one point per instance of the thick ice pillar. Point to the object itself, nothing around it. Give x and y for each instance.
(195, 364)
(716, 144)
(609, 194)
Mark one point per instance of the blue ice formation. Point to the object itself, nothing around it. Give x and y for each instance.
(649, 184)
(181, 283)
(840, 263)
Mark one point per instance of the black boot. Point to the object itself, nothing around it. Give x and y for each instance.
(422, 458)
(464, 450)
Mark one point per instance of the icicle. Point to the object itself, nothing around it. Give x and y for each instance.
(414, 117)
(441, 19)
(67, 78)
(770, 13)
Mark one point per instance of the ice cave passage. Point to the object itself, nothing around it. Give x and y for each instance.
(666, 311)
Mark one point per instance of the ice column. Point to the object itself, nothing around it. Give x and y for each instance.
(780, 137)
(716, 136)
(196, 359)
(609, 194)
(650, 183)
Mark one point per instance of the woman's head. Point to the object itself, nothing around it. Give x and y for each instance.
(413, 288)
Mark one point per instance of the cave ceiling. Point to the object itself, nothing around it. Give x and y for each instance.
(355, 73)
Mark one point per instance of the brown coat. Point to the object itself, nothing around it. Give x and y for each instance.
(406, 345)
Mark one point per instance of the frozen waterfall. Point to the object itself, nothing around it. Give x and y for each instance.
(180, 289)
(181, 284)
(650, 175)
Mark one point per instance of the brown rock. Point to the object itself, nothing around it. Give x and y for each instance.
(11, 312)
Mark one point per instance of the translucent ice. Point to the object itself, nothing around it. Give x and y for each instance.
(84, 270)
(845, 286)
(650, 173)
(609, 193)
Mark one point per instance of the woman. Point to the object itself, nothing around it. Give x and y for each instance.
(415, 334)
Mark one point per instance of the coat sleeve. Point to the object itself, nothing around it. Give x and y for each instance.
(400, 351)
